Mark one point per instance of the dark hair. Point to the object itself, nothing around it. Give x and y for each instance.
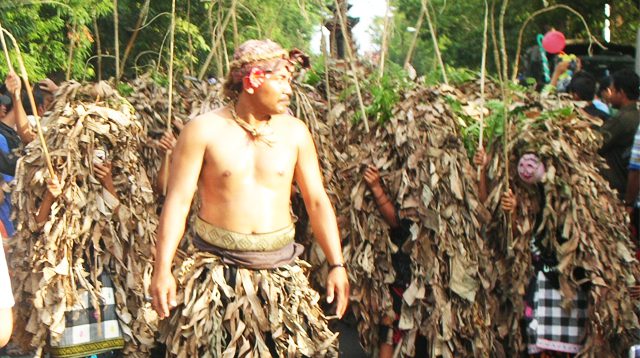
(38, 96)
(583, 85)
(627, 81)
(603, 84)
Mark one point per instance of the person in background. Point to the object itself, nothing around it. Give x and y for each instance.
(619, 131)
(583, 88)
(390, 333)
(601, 99)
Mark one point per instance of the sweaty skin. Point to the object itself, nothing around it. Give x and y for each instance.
(244, 184)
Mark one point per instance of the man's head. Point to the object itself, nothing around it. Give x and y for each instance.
(5, 105)
(625, 88)
(582, 86)
(261, 71)
(42, 98)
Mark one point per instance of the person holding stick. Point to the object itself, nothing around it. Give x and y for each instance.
(243, 291)
(399, 233)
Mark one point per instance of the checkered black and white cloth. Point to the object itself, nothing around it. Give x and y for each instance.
(91, 330)
(634, 352)
(552, 327)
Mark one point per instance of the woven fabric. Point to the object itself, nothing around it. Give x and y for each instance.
(91, 329)
(554, 328)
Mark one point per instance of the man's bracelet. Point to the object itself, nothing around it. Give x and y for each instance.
(343, 265)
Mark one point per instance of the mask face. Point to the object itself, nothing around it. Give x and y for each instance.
(530, 169)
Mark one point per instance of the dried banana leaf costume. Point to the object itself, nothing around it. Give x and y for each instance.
(247, 295)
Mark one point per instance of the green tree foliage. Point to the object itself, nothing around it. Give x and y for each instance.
(59, 36)
(459, 27)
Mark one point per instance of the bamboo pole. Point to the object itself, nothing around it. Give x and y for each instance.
(592, 38)
(385, 39)
(325, 55)
(189, 39)
(503, 45)
(505, 114)
(351, 60)
(72, 47)
(483, 68)
(117, 41)
(494, 40)
(98, 47)
(170, 110)
(414, 41)
(435, 42)
(32, 102)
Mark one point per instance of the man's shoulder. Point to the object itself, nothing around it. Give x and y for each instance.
(293, 123)
(296, 129)
(206, 123)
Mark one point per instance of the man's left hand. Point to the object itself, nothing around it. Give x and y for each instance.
(338, 285)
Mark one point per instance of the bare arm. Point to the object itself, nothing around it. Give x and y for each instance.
(167, 143)
(54, 189)
(481, 160)
(633, 185)
(6, 317)
(23, 127)
(385, 206)
(322, 217)
(185, 170)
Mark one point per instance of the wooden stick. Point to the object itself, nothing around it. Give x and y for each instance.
(25, 78)
(414, 41)
(435, 42)
(592, 39)
(325, 55)
(503, 45)
(483, 66)
(165, 174)
(98, 48)
(385, 38)
(117, 41)
(505, 113)
(72, 47)
(351, 60)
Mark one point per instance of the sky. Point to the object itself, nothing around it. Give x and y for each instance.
(366, 10)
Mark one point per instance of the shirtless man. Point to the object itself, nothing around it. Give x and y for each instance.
(242, 159)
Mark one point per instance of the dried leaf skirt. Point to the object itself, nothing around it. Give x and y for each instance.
(224, 311)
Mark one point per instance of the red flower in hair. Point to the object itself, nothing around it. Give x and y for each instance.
(256, 77)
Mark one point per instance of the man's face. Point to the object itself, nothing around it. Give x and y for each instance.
(275, 92)
(615, 96)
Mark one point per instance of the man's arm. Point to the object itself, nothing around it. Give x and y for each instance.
(185, 170)
(23, 127)
(633, 179)
(385, 205)
(322, 217)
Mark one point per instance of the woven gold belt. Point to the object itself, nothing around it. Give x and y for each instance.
(235, 241)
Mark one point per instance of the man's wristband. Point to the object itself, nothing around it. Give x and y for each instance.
(343, 265)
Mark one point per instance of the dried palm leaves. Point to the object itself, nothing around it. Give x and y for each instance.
(53, 264)
(582, 209)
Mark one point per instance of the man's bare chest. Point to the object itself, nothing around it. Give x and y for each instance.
(248, 159)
